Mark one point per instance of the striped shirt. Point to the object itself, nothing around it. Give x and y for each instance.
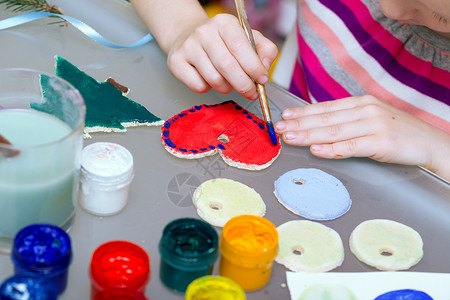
(349, 48)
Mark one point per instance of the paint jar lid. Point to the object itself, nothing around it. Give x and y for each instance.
(120, 294)
(189, 244)
(42, 249)
(107, 163)
(28, 287)
(214, 287)
(120, 264)
(249, 239)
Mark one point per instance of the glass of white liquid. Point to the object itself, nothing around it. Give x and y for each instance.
(41, 137)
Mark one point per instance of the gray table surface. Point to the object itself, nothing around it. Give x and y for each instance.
(163, 184)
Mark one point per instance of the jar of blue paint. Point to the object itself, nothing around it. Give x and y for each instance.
(26, 287)
(43, 250)
(188, 249)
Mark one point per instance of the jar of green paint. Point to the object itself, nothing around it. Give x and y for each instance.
(188, 249)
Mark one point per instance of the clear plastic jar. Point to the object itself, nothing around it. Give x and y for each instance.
(120, 294)
(43, 250)
(27, 287)
(119, 264)
(106, 174)
(248, 246)
(189, 249)
(214, 288)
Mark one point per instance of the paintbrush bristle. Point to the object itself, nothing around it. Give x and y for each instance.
(272, 134)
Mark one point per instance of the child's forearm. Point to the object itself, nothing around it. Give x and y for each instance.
(167, 19)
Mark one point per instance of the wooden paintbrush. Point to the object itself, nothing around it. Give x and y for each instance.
(243, 20)
(7, 152)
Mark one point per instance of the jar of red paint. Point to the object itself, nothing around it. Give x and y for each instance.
(119, 264)
(120, 294)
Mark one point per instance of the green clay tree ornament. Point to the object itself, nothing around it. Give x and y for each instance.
(107, 109)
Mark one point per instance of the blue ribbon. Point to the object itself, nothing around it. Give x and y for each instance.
(86, 29)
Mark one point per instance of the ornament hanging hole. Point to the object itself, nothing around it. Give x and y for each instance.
(223, 139)
(386, 252)
(299, 181)
(215, 206)
(298, 250)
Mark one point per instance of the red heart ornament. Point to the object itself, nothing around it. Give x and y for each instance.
(239, 136)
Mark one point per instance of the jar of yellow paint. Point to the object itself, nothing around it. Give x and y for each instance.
(248, 246)
(214, 288)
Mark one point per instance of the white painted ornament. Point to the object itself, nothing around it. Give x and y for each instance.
(106, 174)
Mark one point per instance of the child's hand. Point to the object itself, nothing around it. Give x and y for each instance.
(217, 54)
(366, 127)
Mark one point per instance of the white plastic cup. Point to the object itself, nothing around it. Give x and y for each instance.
(42, 119)
(106, 174)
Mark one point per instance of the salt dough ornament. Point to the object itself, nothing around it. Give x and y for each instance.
(312, 194)
(386, 245)
(406, 294)
(327, 292)
(220, 199)
(240, 137)
(307, 246)
(107, 109)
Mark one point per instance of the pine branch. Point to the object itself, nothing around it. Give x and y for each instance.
(19, 6)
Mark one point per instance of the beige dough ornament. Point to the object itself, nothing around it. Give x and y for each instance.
(240, 137)
(309, 246)
(386, 245)
(327, 292)
(218, 200)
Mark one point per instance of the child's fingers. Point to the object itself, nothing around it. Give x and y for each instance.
(267, 50)
(328, 134)
(329, 106)
(239, 46)
(184, 71)
(189, 75)
(324, 119)
(372, 147)
(221, 54)
(191, 55)
(357, 147)
(210, 74)
(228, 67)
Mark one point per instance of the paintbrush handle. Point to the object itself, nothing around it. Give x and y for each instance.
(260, 88)
(3, 140)
(243, 20)
(7, 152)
